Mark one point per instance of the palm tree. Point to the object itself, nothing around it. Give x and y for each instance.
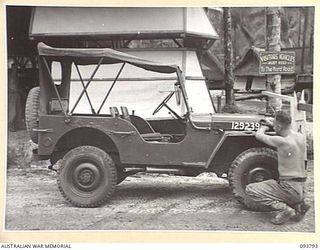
(273, 44)
(229, 65)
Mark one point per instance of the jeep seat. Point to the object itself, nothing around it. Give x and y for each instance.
(114, 111)
(125, 113)
(153, 136)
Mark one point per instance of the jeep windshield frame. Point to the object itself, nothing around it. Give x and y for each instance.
(92, 56)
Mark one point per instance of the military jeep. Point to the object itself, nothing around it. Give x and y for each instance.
(104, 115)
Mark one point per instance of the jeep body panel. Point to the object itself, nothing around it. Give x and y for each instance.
(227, 121)
(194, 149)
(203, 139)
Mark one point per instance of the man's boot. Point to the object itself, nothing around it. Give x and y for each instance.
(284, 213)
(300, 211)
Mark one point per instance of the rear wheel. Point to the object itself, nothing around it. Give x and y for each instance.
(32, 113)
(252, 165)
(87, 176)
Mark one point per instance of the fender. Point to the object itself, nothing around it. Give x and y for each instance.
(226, 135)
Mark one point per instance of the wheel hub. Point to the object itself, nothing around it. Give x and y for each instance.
(258, 174)
(86, 176)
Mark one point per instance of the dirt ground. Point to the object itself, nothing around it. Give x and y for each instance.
(141, 202)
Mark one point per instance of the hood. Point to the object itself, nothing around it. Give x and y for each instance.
(236, 122)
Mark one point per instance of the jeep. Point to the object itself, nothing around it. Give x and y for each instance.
(104, 115)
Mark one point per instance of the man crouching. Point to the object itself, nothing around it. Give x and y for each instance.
(285, 195)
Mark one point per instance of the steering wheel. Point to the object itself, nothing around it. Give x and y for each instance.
(165, 100)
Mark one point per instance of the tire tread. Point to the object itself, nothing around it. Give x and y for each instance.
(32, 113)
(268, 152)
(106, 158)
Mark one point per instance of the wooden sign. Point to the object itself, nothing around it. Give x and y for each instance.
(277, 62)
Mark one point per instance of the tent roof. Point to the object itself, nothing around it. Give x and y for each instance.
(92, 56)
(212, 68)
(249, 64)
(121, 22)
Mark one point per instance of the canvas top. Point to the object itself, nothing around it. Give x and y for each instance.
(109, 56)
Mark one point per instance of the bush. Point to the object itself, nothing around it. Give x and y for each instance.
(19, 153)
(230, 109)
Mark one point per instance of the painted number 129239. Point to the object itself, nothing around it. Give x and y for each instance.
(245, 125)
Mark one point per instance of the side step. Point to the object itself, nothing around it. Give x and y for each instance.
(193, 170)
(194, 164)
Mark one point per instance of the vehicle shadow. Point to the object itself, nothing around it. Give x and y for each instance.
(171, 190)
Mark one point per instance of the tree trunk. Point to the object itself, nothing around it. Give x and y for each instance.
(305, 28)
(273, 44)
(228, 63)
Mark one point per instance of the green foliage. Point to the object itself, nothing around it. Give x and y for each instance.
(248, 28)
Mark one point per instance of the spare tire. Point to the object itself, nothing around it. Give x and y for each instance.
(32, 113)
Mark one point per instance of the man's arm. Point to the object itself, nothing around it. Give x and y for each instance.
(273, 141)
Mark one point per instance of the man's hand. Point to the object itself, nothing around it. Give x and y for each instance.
(268, 123)
(263, 128)
(271, 140)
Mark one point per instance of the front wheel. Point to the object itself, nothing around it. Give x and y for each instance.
(308, 97)
(252, 165)
(87, 176)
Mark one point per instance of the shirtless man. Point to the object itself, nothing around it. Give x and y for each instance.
(285, 195)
